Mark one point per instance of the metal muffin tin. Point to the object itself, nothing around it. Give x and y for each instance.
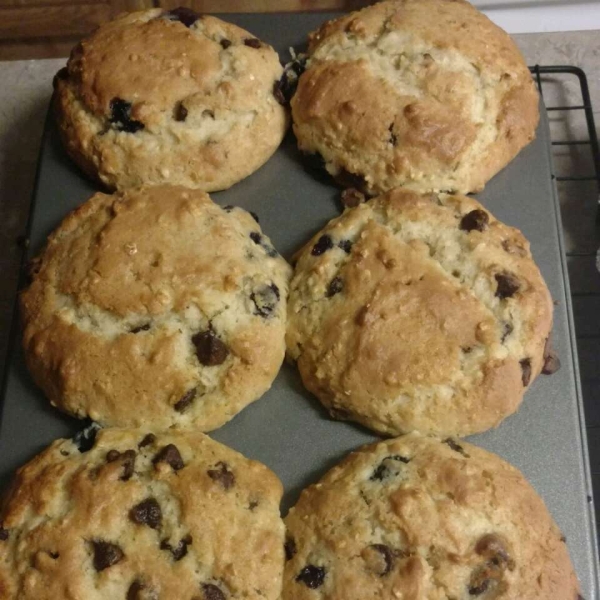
(287, 429)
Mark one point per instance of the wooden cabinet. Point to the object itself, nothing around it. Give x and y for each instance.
(50, 28)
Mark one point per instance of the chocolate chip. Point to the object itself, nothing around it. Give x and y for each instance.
(212, 592)
(393, 136)
(106, 555)
(479, 588)
(148, 439)
(179, 551)
(120, 116)
(180, 113)
(383, 471)
(210, 350)
(290, 549)
(323, 244)
(145, 327)
(379, 559)
(456, 447)
(336, 285)
(184, 402)
(128, 462)
(551, 360)
(507, 330)
(265, 300)
(492, 546)
(222, 475)
(184, 15)
(147, 513)
(477, 220)
(508, 284)
(278, 93)
(170, 455)
(252, 43)
(351, 180)
(259, 240)
(351, 197)
(135, 590)
(346, 246)
(312, 577)
(225, 43)
(3, 534)
(525, 371)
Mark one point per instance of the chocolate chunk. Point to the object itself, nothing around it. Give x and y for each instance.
(210, 350)
(508, 285)
(393, 136)
(456, 447)
(252, 43)
(507, 330)
(379, 559)
(184, 15)
(265, 300)
(184, 402)
(3, 534)
(311, 576)
(278, 93)
(477, 220)
(178, 551)
(120, 116)
(225, 43)
(106, 555)
(383, 471)
(351, 180)
(525, 371)
(336, 285)
(222, 475)
(346, 246)
(180, 113)
(290, 548)
(147, 513)
(551, 360)
(145, 327)
(148, 439)
(323, 244)
(259, 240)
(170, 455)
(351, 197)
(212, 592)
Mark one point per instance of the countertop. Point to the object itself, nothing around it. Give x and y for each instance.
(26, 89)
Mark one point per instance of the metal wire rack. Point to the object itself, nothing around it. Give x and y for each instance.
(592, 141)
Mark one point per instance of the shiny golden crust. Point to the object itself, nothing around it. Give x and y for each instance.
(399, 324)
(418, 519)
(425, 94)
(123, 288)
(63, 501)
(208, 112)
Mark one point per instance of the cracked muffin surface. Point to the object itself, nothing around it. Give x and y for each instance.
(425, 94)
(422, 519)
(174, 97)
(174, 516)
(419, 312)
(157, 307)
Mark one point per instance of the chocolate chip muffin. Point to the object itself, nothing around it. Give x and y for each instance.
(157, 307)
(422, 519)
(419, 312)
(142, 517)
(170, 97)
(426, 94)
